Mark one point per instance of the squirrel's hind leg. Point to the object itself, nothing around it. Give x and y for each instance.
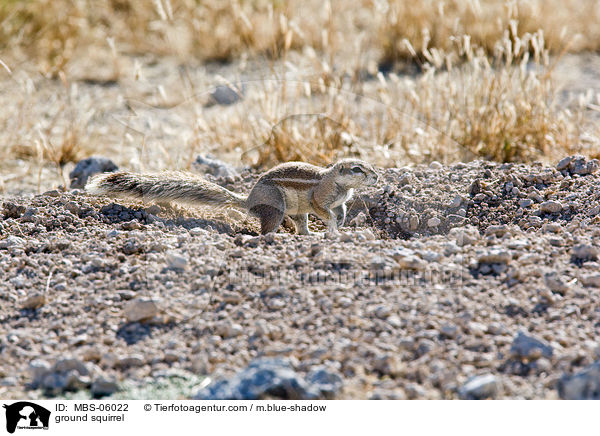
(267, 203)
(270, 217)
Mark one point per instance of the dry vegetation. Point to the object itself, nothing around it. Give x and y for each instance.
(319, 80)
(438, 25)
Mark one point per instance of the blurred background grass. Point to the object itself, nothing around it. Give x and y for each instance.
(444, 79)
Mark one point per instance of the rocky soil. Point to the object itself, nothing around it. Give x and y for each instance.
(476, 280)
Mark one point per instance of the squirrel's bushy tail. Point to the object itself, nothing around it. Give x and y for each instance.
(170, 186)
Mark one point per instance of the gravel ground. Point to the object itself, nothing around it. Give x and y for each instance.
(476, 280)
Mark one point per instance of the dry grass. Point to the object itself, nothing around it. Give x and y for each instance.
(484, 88)
(54, 32)
(504, 108)
(438, 25)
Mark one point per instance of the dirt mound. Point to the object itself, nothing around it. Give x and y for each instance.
(429, 201)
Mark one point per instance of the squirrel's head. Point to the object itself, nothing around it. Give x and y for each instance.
(354, 173)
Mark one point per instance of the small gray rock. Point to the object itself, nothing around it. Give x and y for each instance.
(104, 386)
(449, 331)
(550, 206)
(433, 222)
(556, 283)
(525, 202)
(12, 241)
(581, 166)
(86, 168)
(564, 163)
(70, 364)
(585, 385)
(39, 369)
(467, 235)
(209, 165)
(480, 387)
(272, 378)
(591, 280)
(456, 202)
(327, 382)
(530, 348)
(584, 253)
(175, 260)
(66, 374)
(140, 310)
(226, 95)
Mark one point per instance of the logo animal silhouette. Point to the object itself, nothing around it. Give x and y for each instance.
(26, 414)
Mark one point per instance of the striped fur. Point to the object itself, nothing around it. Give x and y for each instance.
(169, 186)
(294, 189)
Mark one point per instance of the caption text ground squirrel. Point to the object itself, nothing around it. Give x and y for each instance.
(293, 188)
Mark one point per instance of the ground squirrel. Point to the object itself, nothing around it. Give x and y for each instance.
(294, 189)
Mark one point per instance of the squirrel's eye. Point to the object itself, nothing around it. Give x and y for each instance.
(356, 170)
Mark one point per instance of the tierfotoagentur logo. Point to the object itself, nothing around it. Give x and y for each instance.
(24, 415)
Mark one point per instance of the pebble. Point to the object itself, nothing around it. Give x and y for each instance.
(449, 331)
(480, 387)
(551, 207)
(468, 235)
(66, 374)
(104, 386)
(556, 283)
(140, 310)
(433, 222)
(176, 260)
(132, 361)
(456, 202)
(226, 95)
(34, 301)
(273, 378)
(583, 385)
(383, 312)
(591, 280)
(495, 256)
(228, 329)
(584, 253)
(564, 163)
(12, 241)
(529, 347)
(525, 202)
